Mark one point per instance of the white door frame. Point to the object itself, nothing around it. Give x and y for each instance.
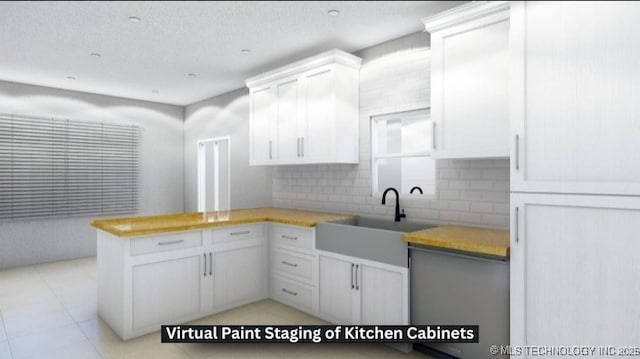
(202, 190)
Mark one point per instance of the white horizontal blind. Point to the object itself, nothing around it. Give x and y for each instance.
(61, 168)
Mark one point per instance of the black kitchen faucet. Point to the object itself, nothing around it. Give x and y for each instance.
(384, 200)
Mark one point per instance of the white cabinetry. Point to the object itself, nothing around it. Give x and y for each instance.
(178, 281)
(574, 97)
(574, 271)
(263, 124)
(294, 267)
(306, 112)
(469, 80)
(239, 266)
(575, 178)
(144, 282)
(359, 291)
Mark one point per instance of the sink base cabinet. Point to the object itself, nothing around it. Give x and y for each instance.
(358, 291)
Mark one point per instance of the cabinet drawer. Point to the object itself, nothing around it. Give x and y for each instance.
(294, 294)
(234, 233)
(166, 242)
(292, 236)
(299, 265)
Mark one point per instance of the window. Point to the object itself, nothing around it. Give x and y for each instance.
(401, 157)
(60, 168)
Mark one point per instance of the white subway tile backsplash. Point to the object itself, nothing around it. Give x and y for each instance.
(461, 206)
(471, 173)
(481, 185)
(439, 204)
(449, 173)
(482, 207)
(495, 220)
(449, 216)
(448, 194)
(495, 173)
(481, 164)
(470, 192)
(495, 196)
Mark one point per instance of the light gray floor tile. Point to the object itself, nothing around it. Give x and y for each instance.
(27, 321)
(5, 351)
(42, 304)
(43, 342)
(3, 334)
(80, 350)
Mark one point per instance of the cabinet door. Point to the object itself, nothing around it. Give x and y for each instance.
(168, 291)
(574, 272)
(336, 287)
(469, 88)
(238, 276)
(574, 97)
(262, 119)
(317, 138)
(384, 295)
(288, 113)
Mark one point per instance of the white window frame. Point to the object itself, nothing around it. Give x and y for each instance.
(374, 118)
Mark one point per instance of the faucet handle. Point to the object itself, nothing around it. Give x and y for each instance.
(402, 215)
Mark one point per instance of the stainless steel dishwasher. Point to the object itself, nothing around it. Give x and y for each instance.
(453, 288)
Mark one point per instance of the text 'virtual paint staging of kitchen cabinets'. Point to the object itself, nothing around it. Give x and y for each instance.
(464, 165)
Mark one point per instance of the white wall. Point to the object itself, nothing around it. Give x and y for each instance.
(395, 77)
(161, 179)
(225, 115)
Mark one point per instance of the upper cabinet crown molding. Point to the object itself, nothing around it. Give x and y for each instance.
(463, 13)
(325, 58)
(469, 81)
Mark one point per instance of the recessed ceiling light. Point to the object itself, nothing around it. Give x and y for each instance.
(245, 51)
(191, 75)
(134, 19)
(155, 91)
(333, 12)
(71, 77)
(96, 55)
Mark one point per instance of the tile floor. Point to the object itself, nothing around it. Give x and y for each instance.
(49, 311)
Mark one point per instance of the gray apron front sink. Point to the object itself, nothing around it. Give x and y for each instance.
(375, 239)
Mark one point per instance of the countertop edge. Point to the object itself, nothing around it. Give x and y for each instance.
(103, 225)
(498, 251)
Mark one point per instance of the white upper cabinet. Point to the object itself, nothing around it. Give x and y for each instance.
(262, 124)
(575, 85)
(469, 80)
(306, 112)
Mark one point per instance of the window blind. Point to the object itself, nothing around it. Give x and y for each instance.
(60, 168)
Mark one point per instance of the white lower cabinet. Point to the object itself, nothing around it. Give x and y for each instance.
(574, 278)
(293, 267)
(239, 274)
(359, 291)
(338, 297)
(178, 281)
(145, 282)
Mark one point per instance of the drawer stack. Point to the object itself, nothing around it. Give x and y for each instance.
(293, 267)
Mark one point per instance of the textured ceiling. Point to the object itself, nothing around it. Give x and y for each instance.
(43, 43)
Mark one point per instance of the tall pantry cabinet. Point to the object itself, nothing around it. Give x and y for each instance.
(575, 173)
